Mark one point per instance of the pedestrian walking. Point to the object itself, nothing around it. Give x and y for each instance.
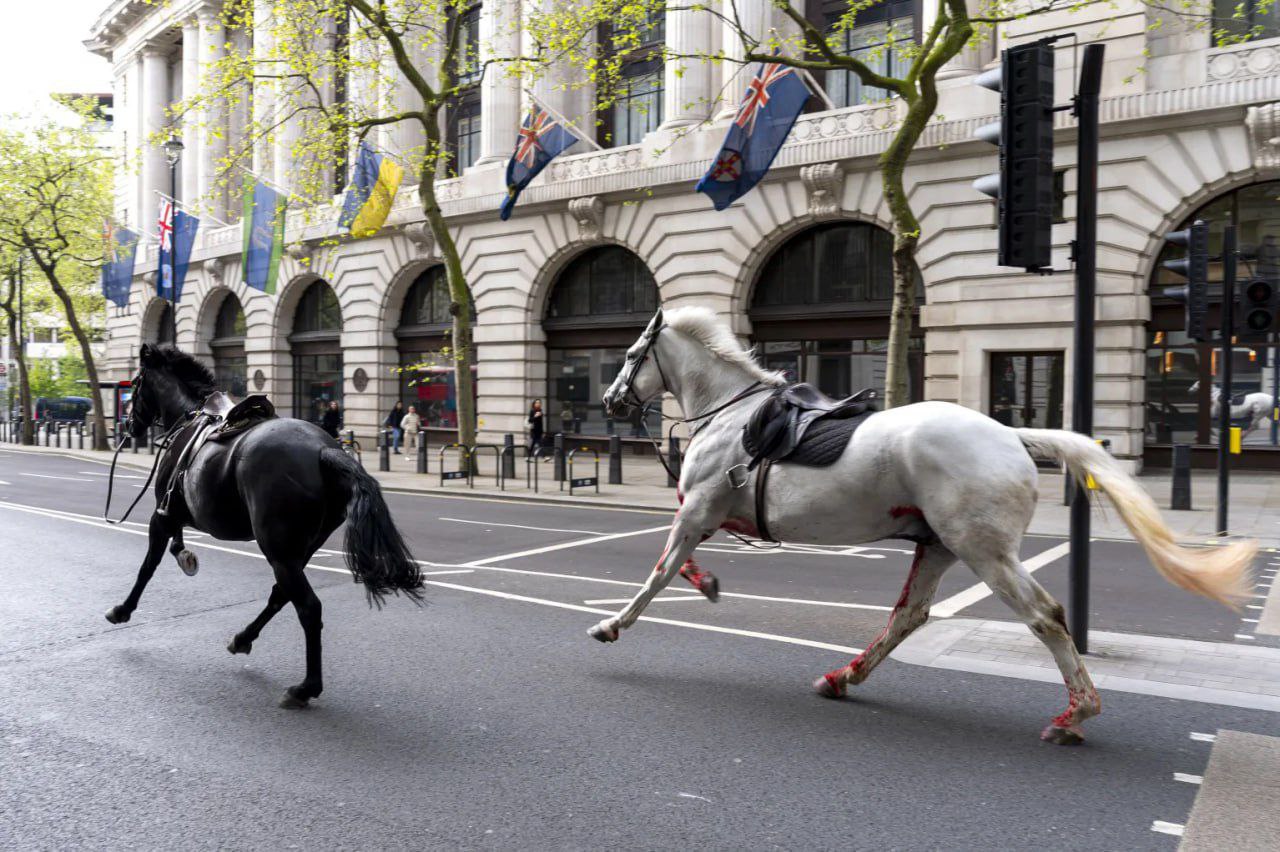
(332, 419)
(410, 424)
(535, 425)
(393, 423)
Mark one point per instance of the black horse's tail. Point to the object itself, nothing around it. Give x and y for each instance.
(375, 552)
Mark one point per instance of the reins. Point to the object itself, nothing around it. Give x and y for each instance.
(164, 443)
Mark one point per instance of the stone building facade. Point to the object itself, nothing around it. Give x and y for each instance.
(798, 266)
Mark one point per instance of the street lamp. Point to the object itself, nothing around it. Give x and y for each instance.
(173, 153)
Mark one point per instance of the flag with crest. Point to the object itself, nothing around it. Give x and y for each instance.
(117, 271)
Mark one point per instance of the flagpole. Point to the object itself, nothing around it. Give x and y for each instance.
(813, 87)
(189, 209)
(566, 122)
(272, 184)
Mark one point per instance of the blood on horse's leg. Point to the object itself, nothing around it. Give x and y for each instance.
(702, 580)
(911, 610)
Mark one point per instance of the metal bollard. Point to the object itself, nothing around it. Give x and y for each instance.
(558, 459)
(57, 435)
(615, 459)
(384, 449)
(508, 456)
(46, 433)
(1181, 496)
(673, 462)
(80, 439)
(422, 451)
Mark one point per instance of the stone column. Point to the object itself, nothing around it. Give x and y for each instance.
(153, 100)
(264, 90)
(192, 156)
(687, 83)
(216, 129)
(404, 140)
(499, 92)
(754, 18)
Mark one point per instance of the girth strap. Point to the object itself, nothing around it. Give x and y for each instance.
(762, 523)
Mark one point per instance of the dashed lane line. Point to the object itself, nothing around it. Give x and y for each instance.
(973, 594)
(1161, 827)
(551, 548)
(52, 476)
(521, 526)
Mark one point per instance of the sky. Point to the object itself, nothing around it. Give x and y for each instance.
(41, 53)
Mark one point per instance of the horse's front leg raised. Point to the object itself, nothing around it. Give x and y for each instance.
(159, 536)
(187, 560)
(690, 528)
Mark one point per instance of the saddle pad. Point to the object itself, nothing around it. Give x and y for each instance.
(825, 440)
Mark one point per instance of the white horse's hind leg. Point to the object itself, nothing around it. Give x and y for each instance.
(912, 610)
(1016, 587)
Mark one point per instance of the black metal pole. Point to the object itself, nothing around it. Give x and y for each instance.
(1275, 387)
(1224, 400)
(1086, 259)
(173, 244)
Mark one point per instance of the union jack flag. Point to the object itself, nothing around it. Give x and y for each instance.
(758, 94)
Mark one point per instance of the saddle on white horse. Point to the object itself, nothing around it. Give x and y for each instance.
(802, 425)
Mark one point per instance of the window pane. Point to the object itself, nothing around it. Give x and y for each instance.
(576, 379)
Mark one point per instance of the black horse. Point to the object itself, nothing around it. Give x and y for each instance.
(283, 482)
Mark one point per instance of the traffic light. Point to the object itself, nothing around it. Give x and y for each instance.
(1257, 316)
(1024, 185)
(1194, 295)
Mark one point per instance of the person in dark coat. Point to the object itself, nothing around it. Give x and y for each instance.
(332, 419)
(535, 425)
(393, 423)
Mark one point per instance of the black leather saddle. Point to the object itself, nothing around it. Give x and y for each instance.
(802, 425)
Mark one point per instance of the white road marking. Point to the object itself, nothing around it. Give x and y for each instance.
(1249, 620)
(2, 482)
(1204, 738)
(710, 628)
(1188, 779)
(520, 526)
(1163, 827)
(1252, 606)
(480, 563)
(51, 476)
(118, 474)
(1244, 636)
(973, 594)
(655, 600)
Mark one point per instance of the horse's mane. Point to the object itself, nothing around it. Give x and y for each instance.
(187, 370)
(703, 325)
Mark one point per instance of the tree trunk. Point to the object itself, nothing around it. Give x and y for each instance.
(463, 350)
(95, 393)
(906, 235)
(24, 381)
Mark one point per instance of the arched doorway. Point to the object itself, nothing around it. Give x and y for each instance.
(160, 329)
(230, 367)
(1175, 363)
(820, 309)
(315, 344)
(597, 307)
(423, 339)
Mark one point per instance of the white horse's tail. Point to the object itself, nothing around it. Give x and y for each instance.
(1218, 573)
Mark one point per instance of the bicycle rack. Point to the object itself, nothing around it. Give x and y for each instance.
(464, 459)
(584, 481)
(497, 465)
(531, 462)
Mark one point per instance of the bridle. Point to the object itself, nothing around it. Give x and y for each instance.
(630, 398)
(129, 423)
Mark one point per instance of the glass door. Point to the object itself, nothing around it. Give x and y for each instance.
(1026, 389)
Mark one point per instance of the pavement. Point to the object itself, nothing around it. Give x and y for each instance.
(488, 718)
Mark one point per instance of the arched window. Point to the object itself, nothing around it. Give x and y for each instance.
(598, 306)
(423, 338)
(162, 331)
(230, 367)
(316, 344)
(1175, 363)
(820, 309)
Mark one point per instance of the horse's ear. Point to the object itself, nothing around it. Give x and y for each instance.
(147, 353)
(656, 322)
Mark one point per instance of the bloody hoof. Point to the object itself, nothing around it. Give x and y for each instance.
(603, 633)
(295, 698)
(239, 646)
(118, 615)
(828, 687)
(710, 587)
(1062, 736)
(187, 562)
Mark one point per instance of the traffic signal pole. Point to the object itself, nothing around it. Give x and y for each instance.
(1085, 255)
(1224, 400)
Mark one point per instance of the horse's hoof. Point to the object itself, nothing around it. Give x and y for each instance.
(237, 646)
(188, 563)
(710, 587)
(118, 615)
(1062, 736)
(295, 699)
(602, 632)
(828, 687)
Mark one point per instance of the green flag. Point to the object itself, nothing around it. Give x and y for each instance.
(264, 215)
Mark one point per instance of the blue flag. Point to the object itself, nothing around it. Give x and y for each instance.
(773, 101)
(117, 272)
(541, 139)
(374, 182)
(264, 221)
(177, 238)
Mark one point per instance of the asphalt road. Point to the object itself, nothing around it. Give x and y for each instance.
(489, 718)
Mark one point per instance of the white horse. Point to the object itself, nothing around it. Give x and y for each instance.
(1256, 407)
(956, 482)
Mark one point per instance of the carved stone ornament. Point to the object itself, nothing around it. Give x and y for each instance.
(589, 213)
(360, 380)
(301, 252)
(149, 279)
(1264, 135)
(422, 238)
(214, 267)
(824, 182)
(259, 380)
